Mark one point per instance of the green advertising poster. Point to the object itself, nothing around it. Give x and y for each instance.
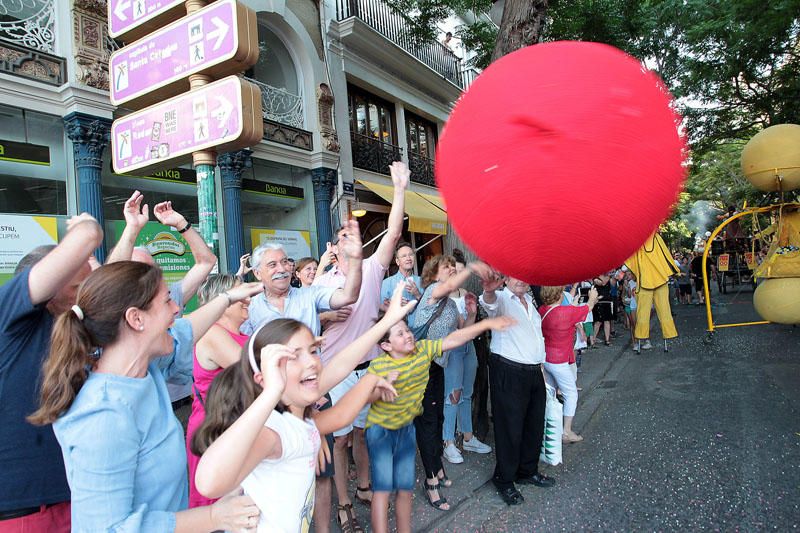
(170, 252)
(19, 234)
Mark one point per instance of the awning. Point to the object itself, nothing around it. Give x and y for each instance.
(425, 212)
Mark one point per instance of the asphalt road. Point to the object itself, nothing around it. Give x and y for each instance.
(705, 437)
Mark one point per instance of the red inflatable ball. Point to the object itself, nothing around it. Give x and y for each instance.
(560, 160)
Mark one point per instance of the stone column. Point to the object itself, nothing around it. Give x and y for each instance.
(324, 180)
(89, 135)
(231, 166)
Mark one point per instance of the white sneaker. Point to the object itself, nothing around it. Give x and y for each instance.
(647, 345)
(452, 454)
(474, 445)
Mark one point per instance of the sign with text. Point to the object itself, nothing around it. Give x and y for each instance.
(296, 244)
(19, 234)
(273, 189)
(723, 262)
(223, 116)
(167, 247)
(218, 40)
(130, 19)
(750, 260)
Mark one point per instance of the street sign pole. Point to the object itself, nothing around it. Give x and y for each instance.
(205, 164)
(220, 111)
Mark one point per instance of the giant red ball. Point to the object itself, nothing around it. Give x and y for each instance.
(560, 160)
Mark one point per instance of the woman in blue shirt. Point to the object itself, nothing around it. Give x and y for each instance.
(123, 448)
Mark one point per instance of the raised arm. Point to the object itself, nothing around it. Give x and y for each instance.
(59, 266)
(136, 216)
(351, 243)
(345, 361)
(204, 258)
(489, 295)
(482, 270)
(347, 408)
(205, 316)
(247, 442)
(394, 228)
(462, 336)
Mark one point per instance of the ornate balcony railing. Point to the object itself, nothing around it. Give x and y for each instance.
(281, 106)
(421, 169)
(29, 23)
(371, 154)
(382, 19)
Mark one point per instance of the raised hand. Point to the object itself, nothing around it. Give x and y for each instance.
(482, 270)
(413, 289)
(351, 241)
(244, 290)
(492, 283)
(244, 265)
(327, 258)
(273, 366)
(400, 175)
(397, 309)
(168, 216)
(471, 303)
(77, 219)
(136, 215)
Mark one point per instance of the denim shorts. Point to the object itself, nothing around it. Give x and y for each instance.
(392, 453)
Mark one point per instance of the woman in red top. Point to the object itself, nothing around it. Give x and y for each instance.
(558, 329)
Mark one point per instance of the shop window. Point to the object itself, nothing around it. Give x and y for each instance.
(33, 167)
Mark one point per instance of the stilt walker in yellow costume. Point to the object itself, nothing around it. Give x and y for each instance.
(652, 265)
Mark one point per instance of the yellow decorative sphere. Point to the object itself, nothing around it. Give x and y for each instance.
(777, 147)
(778, 300)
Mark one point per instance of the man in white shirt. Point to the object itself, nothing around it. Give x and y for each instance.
(516, 387)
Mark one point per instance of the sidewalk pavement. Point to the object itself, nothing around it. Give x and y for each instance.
(472, 479)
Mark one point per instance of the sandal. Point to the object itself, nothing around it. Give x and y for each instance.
(439, 503)
(445, 481)
(350, 524)
(365, 501)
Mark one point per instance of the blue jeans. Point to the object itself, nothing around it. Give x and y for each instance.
(392, 453)
(459, 374)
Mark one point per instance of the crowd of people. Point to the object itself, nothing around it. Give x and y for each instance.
(287, 376)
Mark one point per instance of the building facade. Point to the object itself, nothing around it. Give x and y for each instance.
(343, 95)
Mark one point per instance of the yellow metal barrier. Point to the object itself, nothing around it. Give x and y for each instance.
(745, 212)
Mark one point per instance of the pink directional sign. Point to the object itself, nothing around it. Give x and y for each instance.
(125, 16)
(195, 43)
(198, 120)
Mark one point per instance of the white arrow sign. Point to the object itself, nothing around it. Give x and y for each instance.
(219, 33)
(120, 8)
(223, 112)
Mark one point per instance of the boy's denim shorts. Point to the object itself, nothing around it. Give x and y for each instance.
(392, 453)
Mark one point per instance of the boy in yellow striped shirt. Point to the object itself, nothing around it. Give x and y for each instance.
(390, 433)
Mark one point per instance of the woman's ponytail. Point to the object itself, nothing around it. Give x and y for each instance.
(65, 370)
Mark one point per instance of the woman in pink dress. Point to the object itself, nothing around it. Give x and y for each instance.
(219, 348)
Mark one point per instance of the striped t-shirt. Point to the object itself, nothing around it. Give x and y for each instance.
(410, 385)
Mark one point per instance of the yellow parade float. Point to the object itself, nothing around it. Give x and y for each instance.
(771, 163)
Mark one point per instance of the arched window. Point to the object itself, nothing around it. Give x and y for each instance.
(275, 73)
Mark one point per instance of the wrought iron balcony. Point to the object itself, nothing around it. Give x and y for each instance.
(382, 19)
(421, 169)
(371, 154)
(280, 106)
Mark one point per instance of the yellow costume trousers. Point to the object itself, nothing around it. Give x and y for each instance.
(645, 299)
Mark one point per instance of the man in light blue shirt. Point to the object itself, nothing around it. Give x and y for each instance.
(404, 259)
(280, 300)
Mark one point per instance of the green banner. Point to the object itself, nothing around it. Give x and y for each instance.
(170, 252)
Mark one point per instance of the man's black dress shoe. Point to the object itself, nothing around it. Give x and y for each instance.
(540, 480)
(511, 496)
